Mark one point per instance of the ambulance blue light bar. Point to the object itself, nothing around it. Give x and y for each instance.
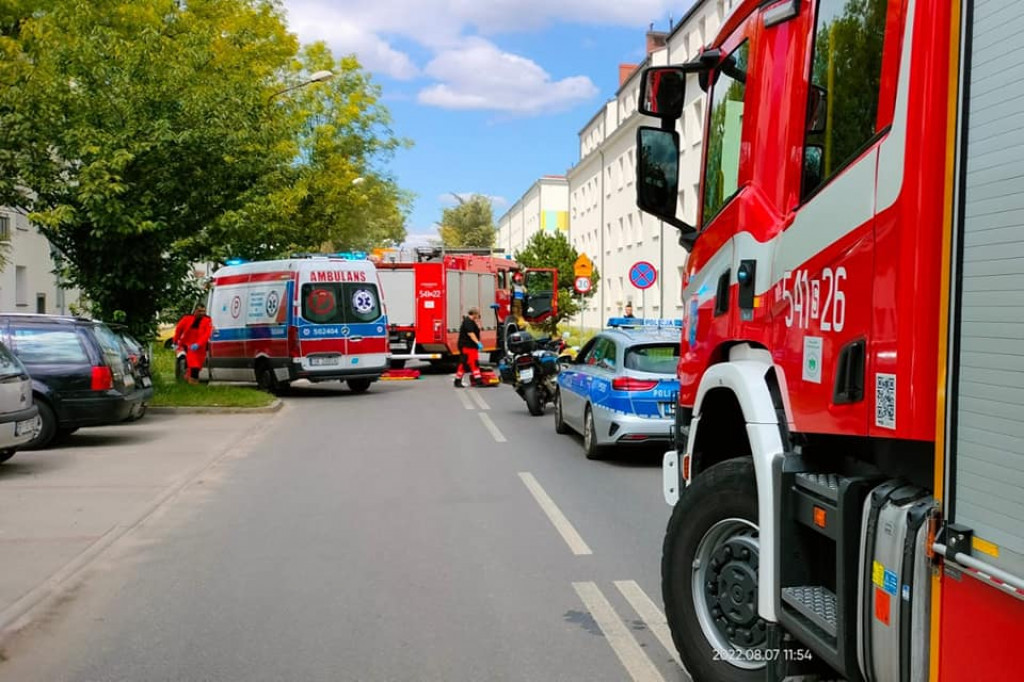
(235, 261)
(641, 322)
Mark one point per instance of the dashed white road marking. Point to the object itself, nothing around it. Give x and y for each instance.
(479, 400)
(461, 392)
(492, 427)
(622, 642)
(651, 615)
(562, 525)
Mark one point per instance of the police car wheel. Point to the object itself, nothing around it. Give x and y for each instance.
(709, 576)
(560, 425)
(590, 447)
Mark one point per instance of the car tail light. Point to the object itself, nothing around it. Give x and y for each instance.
(102, 379)
(634, 437)
(293, 342)
(630, 384)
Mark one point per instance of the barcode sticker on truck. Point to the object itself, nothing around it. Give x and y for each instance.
(885, 401)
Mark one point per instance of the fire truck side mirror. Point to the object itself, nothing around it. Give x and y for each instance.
(814, 168)
(663, 91)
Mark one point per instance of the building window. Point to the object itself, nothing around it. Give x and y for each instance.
(41, 304)
(622, 229)
(21, 285)
(5, 228)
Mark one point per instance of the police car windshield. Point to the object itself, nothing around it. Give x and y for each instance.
(340, 303)
(655, 358)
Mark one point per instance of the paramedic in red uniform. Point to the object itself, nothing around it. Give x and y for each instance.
(191, 335)
(470, 347)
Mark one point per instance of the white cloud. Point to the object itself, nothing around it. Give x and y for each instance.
(477, 75)
(470, 72)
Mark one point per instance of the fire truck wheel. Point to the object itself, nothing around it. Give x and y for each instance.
(709, 576)
(532, 398)
(358, 385)
(560, 425)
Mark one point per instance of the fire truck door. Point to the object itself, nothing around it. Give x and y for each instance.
(541, 294)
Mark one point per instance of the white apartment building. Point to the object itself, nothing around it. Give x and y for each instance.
(28, 283)
(604, 221)
(545, 206)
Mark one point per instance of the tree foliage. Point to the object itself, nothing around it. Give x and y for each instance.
(142, 136)
(553, 250)
(470, 224)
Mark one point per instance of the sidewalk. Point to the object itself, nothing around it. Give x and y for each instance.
(60, 508)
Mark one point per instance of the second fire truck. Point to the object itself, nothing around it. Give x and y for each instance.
(429, 291)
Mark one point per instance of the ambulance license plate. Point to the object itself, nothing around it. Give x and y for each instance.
(325, 360)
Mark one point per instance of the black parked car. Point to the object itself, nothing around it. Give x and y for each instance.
(81, 374)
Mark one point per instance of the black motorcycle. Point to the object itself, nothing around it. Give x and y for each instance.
(531, 366)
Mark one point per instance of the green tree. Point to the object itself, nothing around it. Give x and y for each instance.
(144, 135)
(337, 193)
(470, 224)
(553, 250)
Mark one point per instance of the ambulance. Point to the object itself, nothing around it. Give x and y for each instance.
(318, 318)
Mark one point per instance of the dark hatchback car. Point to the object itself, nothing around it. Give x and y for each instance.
(81, 373)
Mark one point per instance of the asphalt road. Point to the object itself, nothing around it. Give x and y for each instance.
(415, 532)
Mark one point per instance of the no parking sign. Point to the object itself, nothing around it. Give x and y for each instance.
(643, 275)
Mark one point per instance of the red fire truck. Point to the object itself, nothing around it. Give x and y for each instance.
(428, 290)
(848, 478)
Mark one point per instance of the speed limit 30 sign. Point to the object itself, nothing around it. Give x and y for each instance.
(582, 285)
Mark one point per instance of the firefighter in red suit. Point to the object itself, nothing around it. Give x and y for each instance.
(191, 336)
(470, 347)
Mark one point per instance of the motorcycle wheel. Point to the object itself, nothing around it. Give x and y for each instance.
(532, 398)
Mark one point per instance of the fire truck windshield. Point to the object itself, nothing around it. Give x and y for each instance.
(721, 175)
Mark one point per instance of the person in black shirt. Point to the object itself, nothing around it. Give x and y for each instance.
(470, 347)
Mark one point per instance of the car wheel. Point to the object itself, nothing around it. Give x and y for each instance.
(590, 447)
(47, 427)
(560, 425)
(532, 398)
(358, 385)
(709, 576)
(6, 454)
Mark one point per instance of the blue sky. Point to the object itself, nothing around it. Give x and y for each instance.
(492, 92)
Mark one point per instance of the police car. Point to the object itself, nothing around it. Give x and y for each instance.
(622, 386)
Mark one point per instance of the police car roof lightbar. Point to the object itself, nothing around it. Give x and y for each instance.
(638, 322)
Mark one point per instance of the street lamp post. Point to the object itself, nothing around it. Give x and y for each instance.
(317, 77)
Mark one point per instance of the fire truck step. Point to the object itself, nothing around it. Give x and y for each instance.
(825, 485)
(817, 604)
